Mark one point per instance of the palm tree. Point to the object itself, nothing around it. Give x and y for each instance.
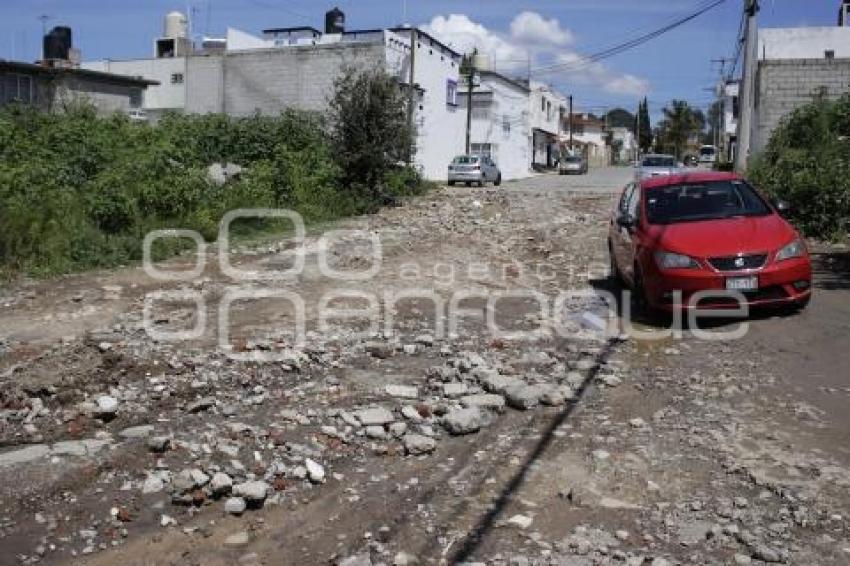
(681, 121)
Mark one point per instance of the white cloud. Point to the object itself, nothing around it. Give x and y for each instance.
(544, 41)
(532, 28)
(464, 35)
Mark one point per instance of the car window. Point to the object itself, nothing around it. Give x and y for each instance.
(659, 161)
(632, 204)
(711, 200)
(465, 159)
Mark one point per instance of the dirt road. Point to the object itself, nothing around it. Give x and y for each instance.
(428, 438)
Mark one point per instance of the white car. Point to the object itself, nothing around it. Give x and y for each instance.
(137, 115)
(478, 169)
(655, 165)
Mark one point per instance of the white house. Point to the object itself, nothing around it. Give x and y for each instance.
(623, 140)
(730, 104)
(546, 110)
(589, 138)
(816, 42)
(500, 122)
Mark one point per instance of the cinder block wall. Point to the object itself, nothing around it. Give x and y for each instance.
(785, 85)
(270, 80)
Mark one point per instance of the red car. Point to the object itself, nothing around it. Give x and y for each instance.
(706, 231)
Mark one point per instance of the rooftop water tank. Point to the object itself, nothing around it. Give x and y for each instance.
(176, 25)
(335, 21)
(57, 43)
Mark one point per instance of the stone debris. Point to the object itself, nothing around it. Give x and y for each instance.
(416, 444)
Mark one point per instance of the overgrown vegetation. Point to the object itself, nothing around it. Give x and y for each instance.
(807, 164)
(79, 191)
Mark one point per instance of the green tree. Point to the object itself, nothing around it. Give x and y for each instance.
(620, 118)
(644, 126)
(681, 121)
(369, 130)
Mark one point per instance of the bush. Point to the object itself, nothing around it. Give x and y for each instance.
(807, 164)
(79, 191)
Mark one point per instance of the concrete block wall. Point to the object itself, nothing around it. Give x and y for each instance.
(785, 85)
(267, 81)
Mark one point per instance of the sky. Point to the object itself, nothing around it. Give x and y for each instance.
(549, 37)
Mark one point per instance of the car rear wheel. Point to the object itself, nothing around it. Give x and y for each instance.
(451, 183)
(614, 270)
(498, 180)
(469, 183)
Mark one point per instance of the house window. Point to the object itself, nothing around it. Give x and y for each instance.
(482, 149)
(829, 54)
(543, 105)
(177, 78)
(506, 124)
(451, 92)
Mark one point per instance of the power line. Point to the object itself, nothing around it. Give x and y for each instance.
(627, 45)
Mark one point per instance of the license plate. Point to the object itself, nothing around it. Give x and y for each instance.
(742, 283)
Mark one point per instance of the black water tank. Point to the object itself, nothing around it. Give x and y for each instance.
(57, 43)
(335, 21)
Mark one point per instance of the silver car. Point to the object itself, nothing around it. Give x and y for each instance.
(655, 165)
(572, 164)
(478, 169)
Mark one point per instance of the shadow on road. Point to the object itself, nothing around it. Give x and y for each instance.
(467, 547)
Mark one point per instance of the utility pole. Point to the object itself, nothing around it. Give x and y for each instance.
(571, 124)
(750, 50)
(411, 94)
(636, 156)
(470, 84)
(44, 19)
(720, 92)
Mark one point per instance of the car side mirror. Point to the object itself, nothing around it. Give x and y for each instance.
(626, 221)
(782, 206)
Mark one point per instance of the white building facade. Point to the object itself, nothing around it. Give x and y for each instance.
(500, 122)
(546, 111)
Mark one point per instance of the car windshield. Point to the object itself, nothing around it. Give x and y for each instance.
(711, 200)
(659, 161)
(465, 159)
(572, 159)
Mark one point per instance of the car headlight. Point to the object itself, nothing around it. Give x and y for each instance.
(795, 249)
(669, 260)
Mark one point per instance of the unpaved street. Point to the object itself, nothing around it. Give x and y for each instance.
(435, 442)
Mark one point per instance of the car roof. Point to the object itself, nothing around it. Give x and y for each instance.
(690, 177)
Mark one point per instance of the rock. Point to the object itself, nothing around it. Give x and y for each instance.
(107, 406)
(201, 404)
(464, 421)
(153, 484)
(24, 455)
(622, 535)
(376, 432)
(220, 483)
(637, 422)
(251, 491)
(495, 383)
(315, 471)
(766, 553)
(524, 396)
(405, 559)
(363, 559)
(158, 443)
(454, 390)
(416, 444)
(375, 416)
(694, 532)
(380, 350)
(235, 506)
(410, 413)
(489, 401)
(141, 431)
(238, 539)
(742, 559)
(398, 429)
(402, 391)
(611, 381)
(521, 521)
(555, 396)
(199, 477)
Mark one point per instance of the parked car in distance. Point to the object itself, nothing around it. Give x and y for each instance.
(707, 154)
(691, 161)
(706, 231)
(572, 164)
(654, 165)
(478, 169)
